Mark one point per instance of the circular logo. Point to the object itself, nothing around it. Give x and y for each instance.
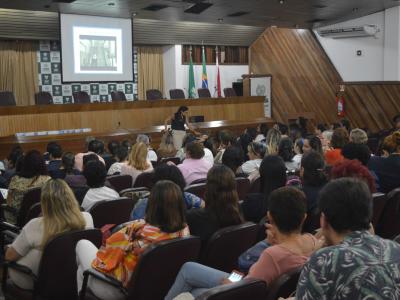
(260, 90)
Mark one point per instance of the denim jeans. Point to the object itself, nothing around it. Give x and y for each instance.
(195, 279)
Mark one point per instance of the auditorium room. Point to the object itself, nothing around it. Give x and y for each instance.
(199, 150)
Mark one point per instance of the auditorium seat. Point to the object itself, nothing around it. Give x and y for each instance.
(204, 93)
(56, 278)
(176, 94)
(43, 98)
(144, 180)
(197, 189)
(227, 244)
(175, 160)
(247, 288)
(378, 204)
(81, 97)
(389, 223)
(153, 95)
(118, 96)
(114, 212)
(229, 92)
(120, 182)
(242, 186)
(155, 271)
(135, 194)
(7, 99)
(284, 286)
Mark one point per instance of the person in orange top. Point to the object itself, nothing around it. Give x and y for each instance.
(340, 138)
(165, 219)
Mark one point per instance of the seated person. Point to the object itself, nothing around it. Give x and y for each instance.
(358, 136)
(67, 167)
(166, 148)
(172, 173)
(121, 154)
(194, 166)
(290, 249)
(15, 155)
(93, 147)
(55, 152)
(255, 152)
(165, 219)
(340, 138)
(95, 174)
(33, 174)
(225, 138)
(137, 162)
(221, 205)
(358, 264)
(61, 213)
(272, 176)
(233, 159)
(286, 151)
(111, 156)
(151, 154)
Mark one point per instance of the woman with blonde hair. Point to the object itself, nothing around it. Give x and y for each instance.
(272, 142)
(61, 214)
(137, 162)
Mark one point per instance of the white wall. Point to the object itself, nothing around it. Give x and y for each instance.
(177, 77)
(343, 52)
(392, 44)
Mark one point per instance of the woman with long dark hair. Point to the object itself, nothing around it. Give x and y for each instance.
(221, 204)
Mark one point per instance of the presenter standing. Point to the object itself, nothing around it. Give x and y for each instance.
(178, 121)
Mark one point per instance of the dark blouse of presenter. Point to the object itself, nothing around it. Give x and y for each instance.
(178, 121)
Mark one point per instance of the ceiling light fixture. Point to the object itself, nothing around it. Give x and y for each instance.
(220, 20)
(111, 4)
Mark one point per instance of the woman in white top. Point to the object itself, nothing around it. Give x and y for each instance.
(256, 152)
(137, 162)
(122, 155)
(60, 214)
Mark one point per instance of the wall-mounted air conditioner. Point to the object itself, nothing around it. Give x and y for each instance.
(348, 32)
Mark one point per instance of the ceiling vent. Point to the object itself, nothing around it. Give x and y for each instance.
(347, 32)
(198, 8)
(63, 1)
(238, 14)
(155, 7)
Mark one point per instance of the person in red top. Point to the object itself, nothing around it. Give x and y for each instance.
(340, 138)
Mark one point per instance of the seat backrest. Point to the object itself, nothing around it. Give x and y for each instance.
(204, 93)
(389, 223)
(197, 189)
(227, 244)
(120, 182)
(255, 186)
(81, 97)
(153, 95)
(176, 94)
(200, 180)
(34, 211)
(175, 160)
(111, 212)
(43, 98)
(57, 269)
(244, 289)
(144, 180)
(229, 92)
(284, 286)
(7, 98)
(118, 96)
(135, 194)
(158, 266)
(30, 198)
(378, 204)
(242, 186)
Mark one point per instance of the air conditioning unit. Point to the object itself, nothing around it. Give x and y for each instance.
(348, 32)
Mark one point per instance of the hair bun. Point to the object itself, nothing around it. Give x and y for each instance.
(396, 138)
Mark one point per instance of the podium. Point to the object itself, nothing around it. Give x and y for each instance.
(259, 85)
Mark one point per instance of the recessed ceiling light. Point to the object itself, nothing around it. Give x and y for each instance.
(220, 20)
(134, 14)
(47, 6)
(111, 4)
(355, 9)
(281, 1)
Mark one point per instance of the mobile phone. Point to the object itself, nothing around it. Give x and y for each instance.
(235, 276)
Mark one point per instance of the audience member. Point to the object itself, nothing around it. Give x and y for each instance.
(189, 138)
(357, 265)
(61, 214)
(194, 166)
(340, 138)
(94, 147)
(289, 248)
(55, 153)
(286, 151)
(121, 154)
(33, 174)
(272, 141)
(111, 158)
(246, 138)
(353, 168)
(344, 123)
(298, 150)
(358, 136)
(165, 219)
(262, 130)
(137, 162)
(233, 159)
(172, 173)
(283, 129)
(221, 204)
(387, 169)
(167, 148)
(95, 174)
(145, 139)
(225, 138)
(256, 152)
(67, 167)
(15, 155)
(396, 123)
(326, 141)
(357, 151)
(272, 176)
(312, 142)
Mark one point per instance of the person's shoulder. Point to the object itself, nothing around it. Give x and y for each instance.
(34, 225)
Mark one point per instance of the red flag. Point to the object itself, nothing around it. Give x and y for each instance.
(218, 76)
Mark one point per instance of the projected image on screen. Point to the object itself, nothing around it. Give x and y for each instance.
(98, 53)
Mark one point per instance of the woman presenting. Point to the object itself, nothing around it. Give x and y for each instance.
(178, 121)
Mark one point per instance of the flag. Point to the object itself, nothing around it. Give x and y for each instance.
(218, 76)
(204, 80)
(192, 87)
